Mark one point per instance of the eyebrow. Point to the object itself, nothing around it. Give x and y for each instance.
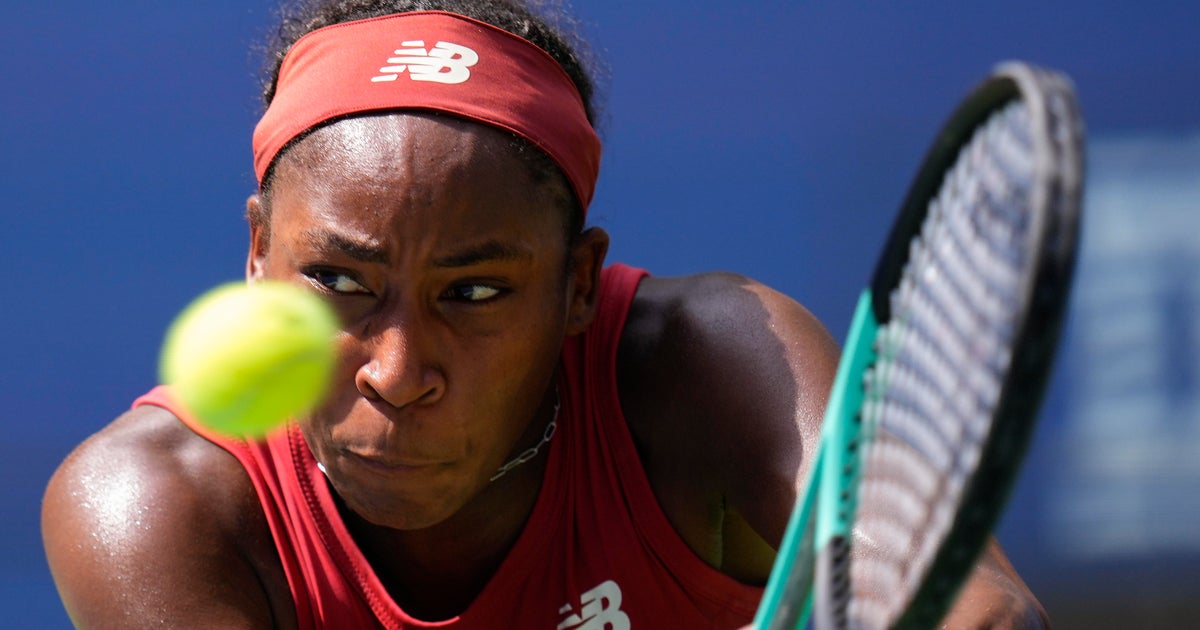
(361, 250)
(371, 252)
(487, 251)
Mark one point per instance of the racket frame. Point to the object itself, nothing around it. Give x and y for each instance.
(822, 518)
(1054, 232)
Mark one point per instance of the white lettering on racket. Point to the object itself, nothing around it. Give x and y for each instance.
(599, 609)
(444, 63)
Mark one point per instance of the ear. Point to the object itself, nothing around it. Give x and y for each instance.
(256, 259)
(587, 260)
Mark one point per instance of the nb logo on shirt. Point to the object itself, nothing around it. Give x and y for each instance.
(444, 63)
(599, 609)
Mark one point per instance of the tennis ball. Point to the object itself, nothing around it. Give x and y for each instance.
(244, 358)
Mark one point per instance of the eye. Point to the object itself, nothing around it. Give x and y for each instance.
(472, 293)
(336, 281)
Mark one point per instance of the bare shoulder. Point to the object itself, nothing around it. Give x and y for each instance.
(147, 523)
(729, 350)
(715, 323)
(724, 380)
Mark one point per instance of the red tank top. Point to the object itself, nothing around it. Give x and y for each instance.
(597, 553)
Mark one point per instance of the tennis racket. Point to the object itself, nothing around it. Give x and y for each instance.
(943, 370)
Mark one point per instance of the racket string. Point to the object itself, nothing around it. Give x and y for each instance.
(941, 361)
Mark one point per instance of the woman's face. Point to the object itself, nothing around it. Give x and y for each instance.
(447, 263)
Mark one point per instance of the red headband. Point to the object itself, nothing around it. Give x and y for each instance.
(432, 60)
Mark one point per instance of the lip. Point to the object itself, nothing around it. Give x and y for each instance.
(382, 465)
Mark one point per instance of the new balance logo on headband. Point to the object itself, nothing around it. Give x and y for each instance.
(444, 63)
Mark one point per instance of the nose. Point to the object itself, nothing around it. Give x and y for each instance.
(397, 371)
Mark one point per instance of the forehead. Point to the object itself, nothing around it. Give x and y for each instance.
(426, 171)
(373, 147)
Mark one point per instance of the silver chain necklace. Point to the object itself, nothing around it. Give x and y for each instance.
(532, 452)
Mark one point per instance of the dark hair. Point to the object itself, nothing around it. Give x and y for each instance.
(545, 23)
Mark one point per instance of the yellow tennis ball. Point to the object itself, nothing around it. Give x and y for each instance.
(244, 358)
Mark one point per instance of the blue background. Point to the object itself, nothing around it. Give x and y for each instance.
(771, 138)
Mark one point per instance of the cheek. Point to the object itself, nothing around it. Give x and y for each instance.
(531, 333)
(343, 392)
